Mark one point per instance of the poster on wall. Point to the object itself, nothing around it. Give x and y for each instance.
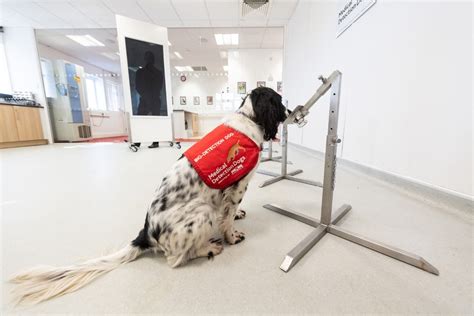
(241, 87)
(145, 65)
(182, 100)
(261, 84)
(349, 11)
(279, 86)
(197, 101)
(210, 100)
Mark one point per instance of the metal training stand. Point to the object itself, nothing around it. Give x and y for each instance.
(277, 159)
(270, 154)
(328, 221)
(285, 175)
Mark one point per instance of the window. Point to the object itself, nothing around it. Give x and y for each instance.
(95, 93)
(5, 85)
(114, 97)
(48, 78)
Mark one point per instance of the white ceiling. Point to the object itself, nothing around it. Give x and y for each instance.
(57, 14)
(197, 45)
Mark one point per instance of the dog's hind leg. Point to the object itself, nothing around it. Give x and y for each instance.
(192, 237)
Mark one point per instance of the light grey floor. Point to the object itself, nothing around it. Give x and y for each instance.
(64, 203)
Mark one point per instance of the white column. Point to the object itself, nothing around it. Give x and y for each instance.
(25, 69)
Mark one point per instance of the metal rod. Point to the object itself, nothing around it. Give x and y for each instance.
(331, 150)
(284, 149)
(310, 182)
(387, 250)
(293, 214)
(302, 248)
(274, 174)
(271, 181)
(340, 213)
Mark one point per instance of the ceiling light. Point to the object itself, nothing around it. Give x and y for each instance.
(183, 68)
(227, 39)
(226, 68)
(178, 55)
(85, 40)
(223, 54)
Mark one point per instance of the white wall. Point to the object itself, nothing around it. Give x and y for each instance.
(406, 103)
(201, 86)
(107, 124)
(111, 123)
(24, 68)
(252, 65)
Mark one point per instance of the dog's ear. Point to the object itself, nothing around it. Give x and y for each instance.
(268, 109)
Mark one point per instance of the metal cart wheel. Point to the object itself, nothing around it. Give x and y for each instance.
(171, 144)
(133, 148)
(178, 145)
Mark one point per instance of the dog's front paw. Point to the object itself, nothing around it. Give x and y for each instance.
(235, 237)
(240, 214)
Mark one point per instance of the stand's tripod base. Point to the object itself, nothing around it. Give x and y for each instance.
(276, 159)
(289, 176)
(274, 174)
(320, 230)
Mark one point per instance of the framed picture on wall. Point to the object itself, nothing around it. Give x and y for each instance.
(182, 100)
(241, 87)
(197, 101)
(279, 86)
(210, 100)
(261, 84)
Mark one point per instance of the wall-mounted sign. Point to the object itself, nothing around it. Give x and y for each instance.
(349, 11)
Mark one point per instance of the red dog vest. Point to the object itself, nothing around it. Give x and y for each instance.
(223, 156)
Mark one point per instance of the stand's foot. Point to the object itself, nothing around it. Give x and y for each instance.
(340, 213)
(274, 174)
(302, 248)
(276, 159)
(288, 176)
(293, 214)
(387, 250)
(315, 183)
(271, 181)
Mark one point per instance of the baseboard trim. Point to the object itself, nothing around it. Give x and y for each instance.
(25, 143)
(428, 193)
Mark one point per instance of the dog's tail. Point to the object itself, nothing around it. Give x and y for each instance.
(43, 283)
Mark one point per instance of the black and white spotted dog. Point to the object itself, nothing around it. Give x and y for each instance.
(186, 219)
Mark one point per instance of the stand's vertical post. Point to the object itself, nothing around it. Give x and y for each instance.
(331, 150)
(284, 149)
(270, 150)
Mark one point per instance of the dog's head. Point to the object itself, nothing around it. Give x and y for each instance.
(267, 110)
